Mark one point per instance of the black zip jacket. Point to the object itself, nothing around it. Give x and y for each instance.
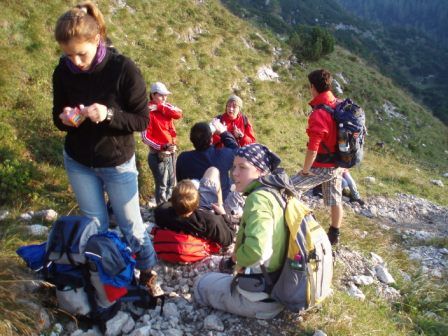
(201, 223)
(116, 83)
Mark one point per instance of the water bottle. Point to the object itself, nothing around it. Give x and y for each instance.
(342, 140)
(297, 262)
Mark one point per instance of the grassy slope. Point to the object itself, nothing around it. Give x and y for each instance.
(155, 35)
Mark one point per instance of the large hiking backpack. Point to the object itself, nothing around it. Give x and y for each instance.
(65, 263)
(351, 132)
(92, 272)
(176, 247)
(307, 271)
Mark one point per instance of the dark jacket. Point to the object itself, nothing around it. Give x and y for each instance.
(193, 164)
(201, 223)
(116, 83)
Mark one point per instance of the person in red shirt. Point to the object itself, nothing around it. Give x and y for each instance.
(160, 136)
(236, 123)
(319, 165)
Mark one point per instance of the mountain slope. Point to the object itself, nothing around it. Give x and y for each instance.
(203, 53)
(412, 59)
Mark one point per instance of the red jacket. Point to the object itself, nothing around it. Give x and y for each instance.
(244, 125)
(322, 128)
(160, 130)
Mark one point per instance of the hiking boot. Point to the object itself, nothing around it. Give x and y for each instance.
(148, 278)
(333, 236)
(346, 192)
(357, 200)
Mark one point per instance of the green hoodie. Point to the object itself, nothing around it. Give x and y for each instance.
(262, 230)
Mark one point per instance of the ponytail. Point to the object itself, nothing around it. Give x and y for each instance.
(83, 21)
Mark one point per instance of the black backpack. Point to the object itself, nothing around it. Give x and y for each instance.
(350, 119)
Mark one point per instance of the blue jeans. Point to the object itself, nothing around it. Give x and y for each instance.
(162, 169)
(349, 182)
(121, 185)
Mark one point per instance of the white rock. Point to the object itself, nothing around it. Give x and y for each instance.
(438, 183)
(172, 332)
(143, 331)
(4, 214)
(170, 309)
(383, 274)
(337, 87)
(58, 328)
(356, 292)
(115, 325)
(26, 216)
(265, 73)
(376, 259)
(319, 333)
(445, 174)
(369, 180)
(50, 215)
(91, 332)
(362, 280)
(213, 322)
(37, 230)
(129, 326)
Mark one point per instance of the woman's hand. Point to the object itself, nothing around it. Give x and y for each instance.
(64, 116)
(238, 133)
(95, 112)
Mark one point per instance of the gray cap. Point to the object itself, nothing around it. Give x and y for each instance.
(159, 87)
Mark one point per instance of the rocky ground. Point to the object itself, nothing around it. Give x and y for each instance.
(417, 220)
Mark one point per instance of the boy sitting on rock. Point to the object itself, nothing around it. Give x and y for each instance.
(188, 211)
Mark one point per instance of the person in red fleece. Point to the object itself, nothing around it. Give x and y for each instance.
(319, 166)
(237, 123)
(160, 136)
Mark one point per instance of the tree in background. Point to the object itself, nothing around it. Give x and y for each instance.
(311, 43)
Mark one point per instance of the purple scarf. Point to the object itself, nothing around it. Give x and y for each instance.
(99, 57)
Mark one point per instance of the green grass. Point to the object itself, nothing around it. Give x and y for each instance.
(201, 74)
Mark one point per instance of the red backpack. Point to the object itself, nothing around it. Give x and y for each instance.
(177, 247)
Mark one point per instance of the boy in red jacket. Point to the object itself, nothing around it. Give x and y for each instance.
(319, 166)
(160, 136)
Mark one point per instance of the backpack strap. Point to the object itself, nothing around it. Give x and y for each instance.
(271, 278)
(67, 244)
(324, 107)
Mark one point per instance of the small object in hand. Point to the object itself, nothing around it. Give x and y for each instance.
(75, 116)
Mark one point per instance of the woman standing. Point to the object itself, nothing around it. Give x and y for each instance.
(99, 100)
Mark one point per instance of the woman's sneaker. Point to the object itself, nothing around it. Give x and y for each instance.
(148, 278)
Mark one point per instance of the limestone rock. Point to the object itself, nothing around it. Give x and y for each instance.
(383, 274)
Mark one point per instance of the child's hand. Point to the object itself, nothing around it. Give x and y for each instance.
(220, 127)
(171, 148)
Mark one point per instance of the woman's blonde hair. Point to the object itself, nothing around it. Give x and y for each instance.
(84, 21)
(185, 198)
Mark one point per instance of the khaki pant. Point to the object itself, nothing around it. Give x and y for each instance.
(213, 289)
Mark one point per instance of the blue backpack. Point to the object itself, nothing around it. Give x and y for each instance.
(351, 133)
(92, 272)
